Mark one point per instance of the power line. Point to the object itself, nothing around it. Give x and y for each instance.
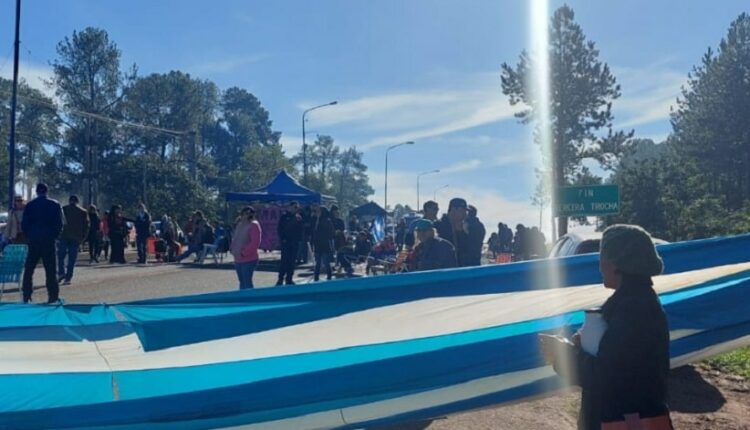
(103, 118)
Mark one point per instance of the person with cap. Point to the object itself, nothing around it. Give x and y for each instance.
(430, 211)
(622, 368)
(431, 252)
(42, 223)
(452, 227)
(74, 232)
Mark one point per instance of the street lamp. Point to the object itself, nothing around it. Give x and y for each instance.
(304, 144)
(386, 167)
(434, 194)
(419, 176)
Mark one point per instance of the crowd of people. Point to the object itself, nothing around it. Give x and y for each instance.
(525, 244)
(56, 233)
(455, 239)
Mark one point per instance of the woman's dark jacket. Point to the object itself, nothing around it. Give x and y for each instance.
(629, 373)
(323, 233)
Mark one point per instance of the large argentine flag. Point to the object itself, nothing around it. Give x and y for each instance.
(340, 355)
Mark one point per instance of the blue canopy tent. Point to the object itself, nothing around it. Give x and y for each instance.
(368, 209)
(283, 188)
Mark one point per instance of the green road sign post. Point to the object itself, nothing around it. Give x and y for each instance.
(588, 200)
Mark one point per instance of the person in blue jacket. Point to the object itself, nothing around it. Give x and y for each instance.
(42, 223)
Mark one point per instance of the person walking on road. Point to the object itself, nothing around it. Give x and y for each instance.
(13, 230)
(323, 236)
(291, 232)
(95, 234)
(42, 222)
(197, 235)
(245, 242)
(74, 232)
(142, 232)
(118, 232)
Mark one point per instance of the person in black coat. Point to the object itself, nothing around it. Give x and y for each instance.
(452, 227)
(291, 232)
(623, 373)
(476, 232)
(322, 241)
(42, 223)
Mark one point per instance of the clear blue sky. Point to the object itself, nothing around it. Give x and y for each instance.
(423, 70)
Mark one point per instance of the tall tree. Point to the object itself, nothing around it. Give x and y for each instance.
(37, 129)
(582, 90)
(351, 186)
(87, 79)
(711, 120)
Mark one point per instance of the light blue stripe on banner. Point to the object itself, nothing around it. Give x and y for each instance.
(515, 358)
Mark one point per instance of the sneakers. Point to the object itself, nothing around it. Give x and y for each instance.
(58, 301)
(60, 278)
(66, 282)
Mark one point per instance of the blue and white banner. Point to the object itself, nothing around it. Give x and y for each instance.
(344, 354)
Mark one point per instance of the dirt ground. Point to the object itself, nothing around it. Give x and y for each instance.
(701, 399)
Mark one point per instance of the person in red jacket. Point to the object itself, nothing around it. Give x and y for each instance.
(244, 248)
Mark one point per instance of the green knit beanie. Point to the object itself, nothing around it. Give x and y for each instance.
(631, 250)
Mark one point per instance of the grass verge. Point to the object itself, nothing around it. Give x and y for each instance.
(736, 362)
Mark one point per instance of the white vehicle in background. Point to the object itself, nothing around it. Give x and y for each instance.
(582, 242)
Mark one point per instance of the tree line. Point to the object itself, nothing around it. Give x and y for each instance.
(171, 140)
(695, 184)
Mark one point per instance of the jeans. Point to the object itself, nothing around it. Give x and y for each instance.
(245, 273)
(192, 249)
(66, 248)
(93, 246)
(140, 243)
(46, 252)
(288, 259)
(323, 258)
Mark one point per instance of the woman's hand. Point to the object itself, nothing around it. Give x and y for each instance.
(550, 345)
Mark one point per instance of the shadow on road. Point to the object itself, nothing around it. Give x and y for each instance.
(690, 393)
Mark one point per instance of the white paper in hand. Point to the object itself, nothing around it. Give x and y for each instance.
(592, 331)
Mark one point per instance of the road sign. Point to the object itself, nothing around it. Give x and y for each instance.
(588, 200)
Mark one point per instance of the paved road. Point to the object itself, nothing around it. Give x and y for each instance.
(114, 283)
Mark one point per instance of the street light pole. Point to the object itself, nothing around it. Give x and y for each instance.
(419, 176)
(12, 142)
(304, 143)
(386, 168)
(434, 194)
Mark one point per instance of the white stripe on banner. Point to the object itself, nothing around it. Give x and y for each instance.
(405, 321)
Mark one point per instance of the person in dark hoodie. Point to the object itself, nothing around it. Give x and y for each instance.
(452, 227)
(475, 230)
(622, 372)
(42, 223)
(291, 231)
(74, 232)
(322, 240)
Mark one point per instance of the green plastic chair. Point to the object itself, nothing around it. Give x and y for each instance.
(12, 262)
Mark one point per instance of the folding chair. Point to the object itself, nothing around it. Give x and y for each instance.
(212, 249)
(11, 265)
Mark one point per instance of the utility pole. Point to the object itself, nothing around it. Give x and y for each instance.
(12, 143)
(304, 142)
